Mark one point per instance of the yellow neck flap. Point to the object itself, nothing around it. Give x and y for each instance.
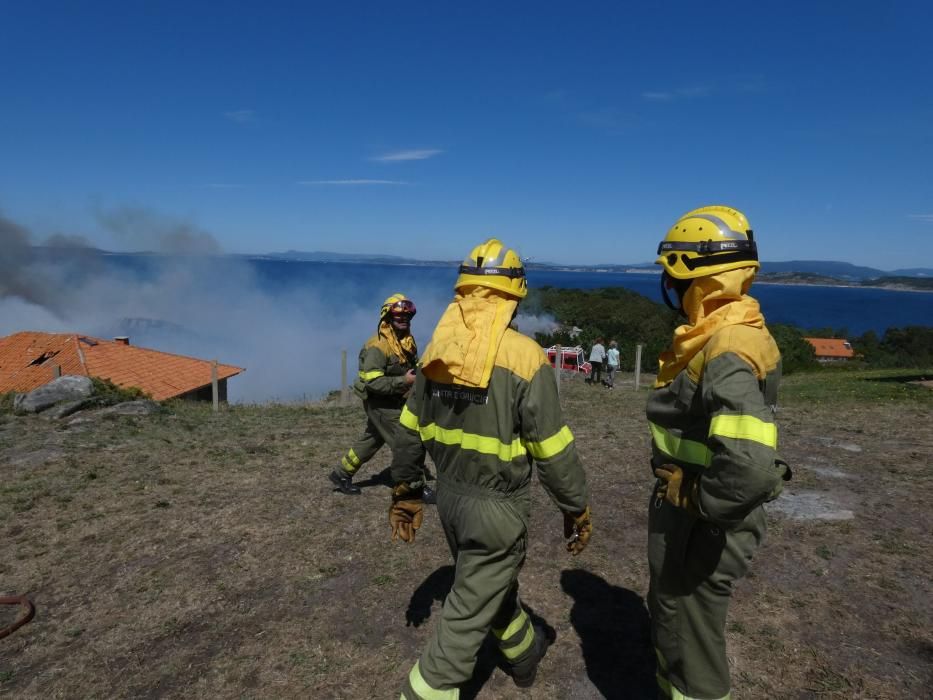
(711, 303)
(464, 345)
(406, 349)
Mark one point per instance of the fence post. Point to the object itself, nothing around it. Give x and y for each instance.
(558, 360)
(637, 365)
(215, 389)
(343, 378)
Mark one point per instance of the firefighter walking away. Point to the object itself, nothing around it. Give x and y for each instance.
(485, 406)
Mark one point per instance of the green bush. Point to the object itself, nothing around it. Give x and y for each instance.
(109, 393)
(6, 402)
(796, 353)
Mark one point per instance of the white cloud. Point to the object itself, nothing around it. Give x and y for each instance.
(352, 182)
(690, 92)
(241, 116)
(921, 217)
(413, 154)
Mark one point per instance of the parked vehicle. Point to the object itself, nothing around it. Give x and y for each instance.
(572, 359)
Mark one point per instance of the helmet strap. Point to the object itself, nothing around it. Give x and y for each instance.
(680, 287)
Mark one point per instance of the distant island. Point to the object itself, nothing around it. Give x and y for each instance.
(813, 272)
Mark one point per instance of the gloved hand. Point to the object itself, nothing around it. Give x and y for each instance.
(679, 490)
(406, 512)
(578, 528)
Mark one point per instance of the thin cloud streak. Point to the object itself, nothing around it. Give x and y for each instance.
(241, 116)
(352, 182)
(413, 154)
(691, 92)
(921, 217)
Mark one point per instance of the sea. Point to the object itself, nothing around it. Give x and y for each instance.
(852, 309)
(296, 327)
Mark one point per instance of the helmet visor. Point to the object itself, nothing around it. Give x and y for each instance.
(405, 307)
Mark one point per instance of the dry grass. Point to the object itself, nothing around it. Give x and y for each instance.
(196, 555)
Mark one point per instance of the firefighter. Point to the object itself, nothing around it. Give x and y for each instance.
(387, 372)
(714, 447)
(485, 405)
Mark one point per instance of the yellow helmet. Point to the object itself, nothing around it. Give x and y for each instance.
(398, 304)
(491, 264)
(706, 241)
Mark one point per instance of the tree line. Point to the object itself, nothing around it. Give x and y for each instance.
(619, 314)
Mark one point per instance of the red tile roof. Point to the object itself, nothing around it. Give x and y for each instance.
(27, 360)
(831, 347)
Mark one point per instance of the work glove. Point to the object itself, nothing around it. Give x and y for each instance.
(678, 489)
(406, 512)
(578, 529)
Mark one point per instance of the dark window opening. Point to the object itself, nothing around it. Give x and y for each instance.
(44, 357)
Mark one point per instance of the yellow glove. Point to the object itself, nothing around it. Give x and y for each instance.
(406, 512)
(578, 528)
(677, 489)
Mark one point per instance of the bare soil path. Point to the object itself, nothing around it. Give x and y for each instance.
(197, 555)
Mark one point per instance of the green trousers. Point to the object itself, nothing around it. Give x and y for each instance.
(693, 565)
(381, 426)
(487, 536)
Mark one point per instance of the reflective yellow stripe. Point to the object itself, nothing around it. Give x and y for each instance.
(408, 419)
(426, 692)
(680, 448)
(519, 649)
(677, 695)
(374, 374)
(663, 684)
(744, 428)
(552, 446)
(514, 626)
(472, 441)
(352, 458)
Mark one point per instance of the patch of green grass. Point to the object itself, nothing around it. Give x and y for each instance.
(839, 386)
(382, 580)
(824, 552)
(6, 402)
(6, 675)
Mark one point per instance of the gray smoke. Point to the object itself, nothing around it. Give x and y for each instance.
(144, 229)
(20, 274)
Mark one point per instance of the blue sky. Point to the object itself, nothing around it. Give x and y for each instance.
(575, 132)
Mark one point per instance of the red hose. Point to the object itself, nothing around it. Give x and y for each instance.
(17, 600)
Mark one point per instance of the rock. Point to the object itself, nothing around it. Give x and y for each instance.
(810, 505)
(63, 410)
(140, 407)
(71, 387)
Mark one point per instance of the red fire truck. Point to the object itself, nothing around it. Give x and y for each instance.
(572, 359)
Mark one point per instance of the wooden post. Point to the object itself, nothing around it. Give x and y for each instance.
(343, 378)
(215, 390)
(558, 359)
(637, 365)
(56, 371)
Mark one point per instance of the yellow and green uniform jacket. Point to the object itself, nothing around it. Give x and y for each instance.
(483, 439)
(381, 381)
(716, 421)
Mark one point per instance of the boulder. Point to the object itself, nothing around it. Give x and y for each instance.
(70, 387)
(140, 407)
(65, 409)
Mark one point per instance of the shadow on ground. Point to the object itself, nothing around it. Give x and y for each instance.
(615, 638)
(435, 588)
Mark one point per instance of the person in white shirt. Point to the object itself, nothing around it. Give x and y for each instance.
(597, 358)
(612, 362)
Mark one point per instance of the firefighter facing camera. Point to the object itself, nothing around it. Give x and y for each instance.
(387, 371)
(485, 406)
(714, 447)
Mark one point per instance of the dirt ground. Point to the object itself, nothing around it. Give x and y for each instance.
(189, 554)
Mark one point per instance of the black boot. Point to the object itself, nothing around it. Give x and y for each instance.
(430, 496)
(344, 482)
(524, 672)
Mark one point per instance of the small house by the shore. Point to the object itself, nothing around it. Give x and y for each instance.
(831, 349)
(30, 359)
